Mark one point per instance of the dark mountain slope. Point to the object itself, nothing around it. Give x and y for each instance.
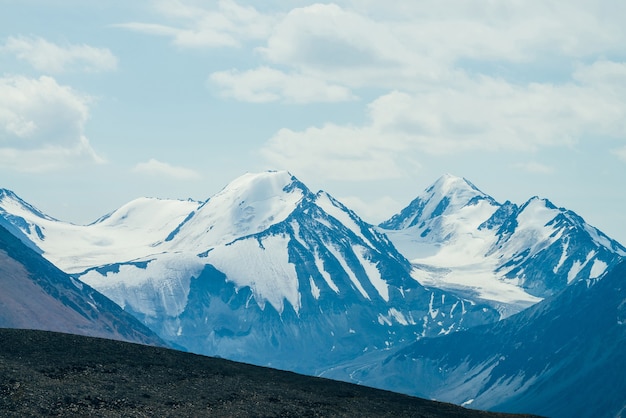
(36, 295)
(43, 373)
(563, 357)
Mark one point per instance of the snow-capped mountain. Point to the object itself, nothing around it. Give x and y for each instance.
(130, 232)
(459, 238)
(265, 271)
(37, 295)
(563, 357)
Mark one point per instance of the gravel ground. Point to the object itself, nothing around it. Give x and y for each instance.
(51, 374)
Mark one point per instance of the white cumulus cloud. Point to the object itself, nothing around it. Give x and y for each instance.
(51, 58)
(441, 77)
(265, 84)
(329, 42)
(482, 114)
(193, 24)
(158, 168)
(42, 125)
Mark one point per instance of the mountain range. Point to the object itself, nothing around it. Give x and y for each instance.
(265, 271)
(268, 272)
(459, 238)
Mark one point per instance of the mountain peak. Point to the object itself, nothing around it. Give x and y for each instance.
(247, 205)
(255, 187)
(446, 195)
(451, 185)
(539, 201)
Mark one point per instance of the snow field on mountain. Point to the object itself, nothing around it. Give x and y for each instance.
(410, 244)
(532, 231)
(597, 269)
(455, 190)
(327, 277)
(130, 232)
(602, 240)
(458, 263)
(264, 266)
(355, 281)
(248, 205)
(161, 287)
(372, 272)
(473, 255)
(478, 282)
(465, 243)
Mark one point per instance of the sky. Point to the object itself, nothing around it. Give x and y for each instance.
(105, 102)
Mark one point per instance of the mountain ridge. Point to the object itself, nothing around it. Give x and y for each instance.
(460, 238)
(242, 274)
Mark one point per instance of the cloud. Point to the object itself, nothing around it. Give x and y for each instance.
(366, 44)
(265, 84)
(49, 157)
(535, 167)
(338, 153)
(196, 25)
(477, 114)
(512, 31)
(328, 42)
(445, 78)
(157, 168)
(51, 58)
(325, 36)
(42, 125)
(620, 153)
(413, 44)
(604, 74)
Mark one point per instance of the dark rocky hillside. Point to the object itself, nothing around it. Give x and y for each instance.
(563, 357)
(53, 374)
(34, 294)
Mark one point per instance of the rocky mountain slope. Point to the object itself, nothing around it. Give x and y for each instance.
(45, 374)
(563, 357)
(37, 295)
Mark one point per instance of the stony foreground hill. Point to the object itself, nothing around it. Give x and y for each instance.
(45, 373)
